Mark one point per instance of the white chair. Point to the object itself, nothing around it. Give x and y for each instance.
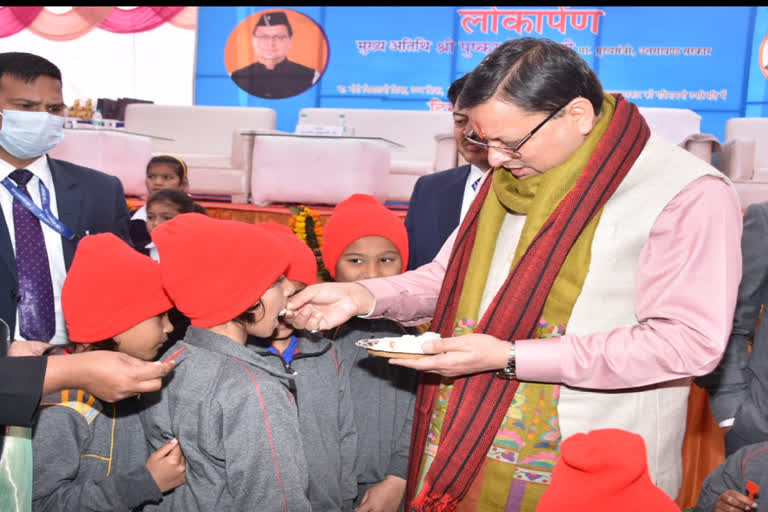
(744, 158)
(208, 139)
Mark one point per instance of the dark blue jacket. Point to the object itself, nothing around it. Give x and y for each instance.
(433, 213)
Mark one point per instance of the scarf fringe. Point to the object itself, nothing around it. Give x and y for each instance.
(427, 503)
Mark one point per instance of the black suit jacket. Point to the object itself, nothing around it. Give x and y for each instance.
(87, 200)
(433, 213)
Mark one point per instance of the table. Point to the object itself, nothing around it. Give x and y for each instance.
(114, 151)
(316, 169)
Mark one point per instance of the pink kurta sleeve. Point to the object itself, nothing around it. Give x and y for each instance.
(688, 278)
(410, 298)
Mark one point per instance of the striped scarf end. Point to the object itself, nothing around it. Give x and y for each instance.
(428, 503)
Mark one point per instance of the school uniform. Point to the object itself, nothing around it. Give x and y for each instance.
(326, 418)
(383, 396)
(90, 455)
(236, 421)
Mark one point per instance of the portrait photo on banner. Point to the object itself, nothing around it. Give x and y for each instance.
(762, 55)
(276, 53)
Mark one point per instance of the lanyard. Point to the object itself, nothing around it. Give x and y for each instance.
(45, 214)
(289, 351)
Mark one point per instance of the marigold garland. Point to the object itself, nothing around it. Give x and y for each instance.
(308, 226)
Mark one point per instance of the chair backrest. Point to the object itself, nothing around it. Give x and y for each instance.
(750, 128)
(414, 129)
(196, 129)
(673, 124)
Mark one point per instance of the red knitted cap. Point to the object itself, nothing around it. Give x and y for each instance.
(213, 270)
(110, 288)
(303, 266)
(358, 216)
(604, 470)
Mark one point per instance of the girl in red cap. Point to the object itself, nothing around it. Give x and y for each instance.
(362, 240)
(234, 413)
(323, 395)
(90, 455)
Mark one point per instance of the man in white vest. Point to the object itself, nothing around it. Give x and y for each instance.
(594, 275)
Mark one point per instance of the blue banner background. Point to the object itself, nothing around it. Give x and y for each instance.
(702, 58)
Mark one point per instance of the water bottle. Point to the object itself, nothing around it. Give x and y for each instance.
(346, 131)
(97, 120)
(302, 121)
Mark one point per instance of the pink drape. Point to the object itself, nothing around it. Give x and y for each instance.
(14, 19)
(186, 19)
(138, 19)
(69, 25)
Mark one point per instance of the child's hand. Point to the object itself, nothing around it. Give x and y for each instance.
(168, 466)
(734, 501)
(385, 496)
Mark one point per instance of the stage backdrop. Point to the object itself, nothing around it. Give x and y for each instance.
(713, 60)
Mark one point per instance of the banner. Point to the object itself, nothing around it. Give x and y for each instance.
(407, 57)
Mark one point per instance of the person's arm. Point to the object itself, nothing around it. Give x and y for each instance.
(260, 430)
(122, 227)
(687, 280)
(110, 376)
(727, 384)
(60, 438)
(21, 386)
(408, 298)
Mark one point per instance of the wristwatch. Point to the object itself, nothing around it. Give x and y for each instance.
(510, 371)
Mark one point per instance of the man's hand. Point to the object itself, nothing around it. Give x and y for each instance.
(110, 376)
(23, 348)
(326, 305)
(734, 501)
(385, 496)
(462, 355)
(168, 466)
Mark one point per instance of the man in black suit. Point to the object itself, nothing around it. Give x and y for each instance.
(738, 387)
(440, 200)
(46, 204)
(273, 75)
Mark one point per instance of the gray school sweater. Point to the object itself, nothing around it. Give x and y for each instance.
(326, 420)
(747, 463)
(89, 455)
(236, 422)
(383, 396)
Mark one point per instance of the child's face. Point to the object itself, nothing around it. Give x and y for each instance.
(159, 212)
(145, 339)
(162, 175)
(284, 330)
(368, 257)
(273, 302)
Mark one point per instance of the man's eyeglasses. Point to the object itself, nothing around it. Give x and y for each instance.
(279, 39)
(474, 138)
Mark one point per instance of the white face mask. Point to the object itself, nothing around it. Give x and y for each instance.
(30, 134)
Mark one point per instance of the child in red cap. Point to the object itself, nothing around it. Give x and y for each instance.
(362, 240)
(90, 455)
(233, 412)
(323, 395)
(604, 470)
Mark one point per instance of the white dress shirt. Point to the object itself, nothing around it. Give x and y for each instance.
(469, 190)
(53, 240)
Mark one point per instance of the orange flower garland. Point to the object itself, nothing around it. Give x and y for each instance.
(308, 226)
